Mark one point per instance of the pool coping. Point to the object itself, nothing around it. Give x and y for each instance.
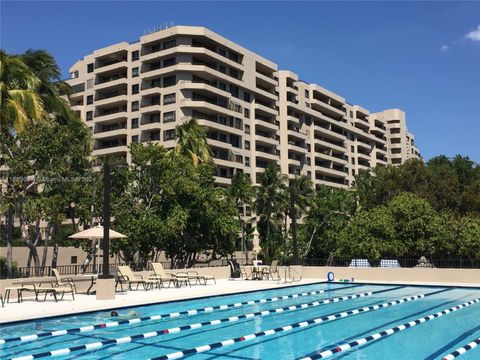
(314, 282)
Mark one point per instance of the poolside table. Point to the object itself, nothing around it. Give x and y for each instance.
(256, 272)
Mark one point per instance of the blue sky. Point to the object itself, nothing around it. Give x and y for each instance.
(422, 57)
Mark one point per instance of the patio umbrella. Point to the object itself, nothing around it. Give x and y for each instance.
(96, 233)
(256, 243)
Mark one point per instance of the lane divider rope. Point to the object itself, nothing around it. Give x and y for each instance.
(322, 354)
(462, 350)
(301, 324)
(175, 330)
(190, 312)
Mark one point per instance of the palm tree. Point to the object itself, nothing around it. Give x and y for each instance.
(301, 194)
(192, 142)
(271, 197)
(20, 102)
(242, 192)
(50, 88)
(30, 92)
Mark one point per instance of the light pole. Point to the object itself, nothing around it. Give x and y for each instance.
(106, 221)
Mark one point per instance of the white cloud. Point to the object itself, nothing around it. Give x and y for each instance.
(444, 48)
(474, 35)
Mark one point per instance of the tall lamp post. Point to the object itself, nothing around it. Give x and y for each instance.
(106, 221)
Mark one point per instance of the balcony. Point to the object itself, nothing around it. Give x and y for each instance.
(111, 66)
(326, 133)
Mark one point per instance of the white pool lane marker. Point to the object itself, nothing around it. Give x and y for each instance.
(127, 339)
(191, 312)
(322, 354)
(462, 350)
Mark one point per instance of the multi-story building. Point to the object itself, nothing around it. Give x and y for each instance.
(255, 114)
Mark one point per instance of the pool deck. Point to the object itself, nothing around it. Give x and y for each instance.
(29, 309)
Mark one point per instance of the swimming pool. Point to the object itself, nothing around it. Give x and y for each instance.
(325, 320)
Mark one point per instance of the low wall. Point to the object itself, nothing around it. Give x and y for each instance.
(408, 275)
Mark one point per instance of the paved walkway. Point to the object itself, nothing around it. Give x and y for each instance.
(29, 309)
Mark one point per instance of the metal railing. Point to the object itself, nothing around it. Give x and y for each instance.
(404, 263)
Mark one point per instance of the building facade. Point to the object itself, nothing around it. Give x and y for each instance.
(255, 113)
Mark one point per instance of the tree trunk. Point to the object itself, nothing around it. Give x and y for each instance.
(10, 226)
(293, 216)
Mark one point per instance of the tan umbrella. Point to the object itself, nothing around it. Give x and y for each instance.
(256, 243)
(95, 233)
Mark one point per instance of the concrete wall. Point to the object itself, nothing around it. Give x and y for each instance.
(428, 275)
(20, 255)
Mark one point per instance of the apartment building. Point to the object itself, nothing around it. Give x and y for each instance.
(255, 114)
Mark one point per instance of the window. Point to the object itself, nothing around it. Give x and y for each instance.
(89, 99)
(307, 94)
(222, 86)
(247, 129)
(234, 73)
(246, 96)
(309, 162)
(247, 161)
(234, 91)
(222, 69)
(135, 139)
(135, 72)
(135, 55)
(234, 56)
(222, 52)
(169, 44)
(90, 68)
(247, 145)
(169, 81)
(134, 123)
(134, 105)
(169, 62)
(89, 115)
(89, 83)
(246, 113)
(169, 116)
(169, 135)
(73, 260)
(168, 99)
(74, 75)
(135, 89)
(238, 158)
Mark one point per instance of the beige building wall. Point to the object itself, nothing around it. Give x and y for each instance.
(255, 114)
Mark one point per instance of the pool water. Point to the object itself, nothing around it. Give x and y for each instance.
(432, 339)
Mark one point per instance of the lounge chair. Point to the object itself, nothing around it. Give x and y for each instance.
(128, 275)
(273, 269)
(63, 281)
(160, 275)
(199, 279)
(387, 263)
(359, 263)
(54, 290)
(236, 271)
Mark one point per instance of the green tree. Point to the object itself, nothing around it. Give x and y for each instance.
(301, 195)
(271, 197)
(330, 213)
(242, 192)
(192, 142)
(172, 205)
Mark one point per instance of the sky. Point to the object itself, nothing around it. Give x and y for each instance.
(421, 57)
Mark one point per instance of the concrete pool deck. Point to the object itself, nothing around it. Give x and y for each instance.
(30, 309)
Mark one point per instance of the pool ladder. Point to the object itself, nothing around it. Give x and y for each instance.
(290, 275)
